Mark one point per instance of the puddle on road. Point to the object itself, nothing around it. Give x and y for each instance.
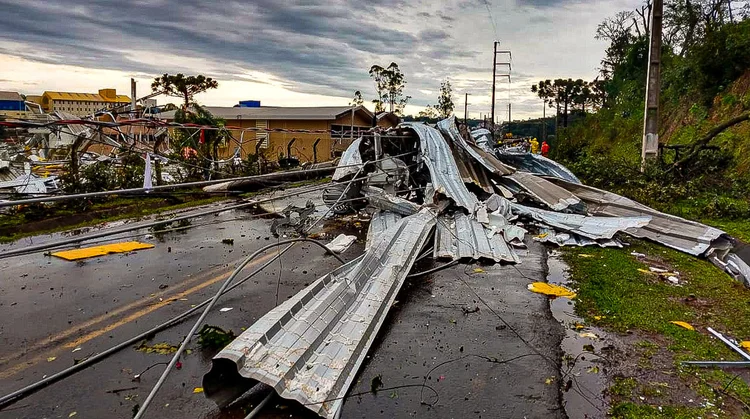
(583, 369)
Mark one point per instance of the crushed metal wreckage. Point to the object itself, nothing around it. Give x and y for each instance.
(428, 191)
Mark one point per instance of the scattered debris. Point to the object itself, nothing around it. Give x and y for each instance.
(94, 251)
(51, 358)
(159, 348)
(376, 383)
(214, 337)
(341, 243)
(685, 325)
(198, 390)
(225, 309)
(551, 290)
(228, 241)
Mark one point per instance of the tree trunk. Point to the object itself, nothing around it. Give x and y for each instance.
(565, 115)
(701, 144)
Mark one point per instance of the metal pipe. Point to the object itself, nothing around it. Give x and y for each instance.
(729, 343)
(315, 150)
(208, 308)
(260, 406)
(155, 188)
(720, 364)
(110, 232)
(32, 388)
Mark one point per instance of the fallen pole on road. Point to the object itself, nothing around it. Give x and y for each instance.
(286, 175)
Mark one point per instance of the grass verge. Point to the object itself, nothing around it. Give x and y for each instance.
(616, 294)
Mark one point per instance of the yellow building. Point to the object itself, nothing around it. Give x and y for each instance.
(340, 123)
(82, 104)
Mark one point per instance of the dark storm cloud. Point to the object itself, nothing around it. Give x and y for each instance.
(318, 45)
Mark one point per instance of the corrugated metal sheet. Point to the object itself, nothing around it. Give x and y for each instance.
(310, 347)
(460, 237)
(548, 235)
(436, 154)
(537, 164)
(675, 232)
(583, 225)
(380, 200)
(379, 223)
(483, 138)
(488, 161)
(547, 193)
(350, 158)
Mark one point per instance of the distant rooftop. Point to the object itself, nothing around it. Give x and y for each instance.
(89, 97)
(14, 96)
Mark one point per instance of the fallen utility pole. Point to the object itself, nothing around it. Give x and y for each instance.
(286, 175)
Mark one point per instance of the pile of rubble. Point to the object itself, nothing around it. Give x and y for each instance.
(430, 190)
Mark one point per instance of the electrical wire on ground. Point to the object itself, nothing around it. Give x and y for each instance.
(196, 325)
(34, 387)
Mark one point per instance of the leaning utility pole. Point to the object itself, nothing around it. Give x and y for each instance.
(650, 148)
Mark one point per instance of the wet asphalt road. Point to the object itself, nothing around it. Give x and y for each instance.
(51, 308)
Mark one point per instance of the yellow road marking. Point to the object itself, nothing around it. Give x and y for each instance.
(134, 316)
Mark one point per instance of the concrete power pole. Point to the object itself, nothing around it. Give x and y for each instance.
(494, 75)
(650, 147)
(466, 109)
(132, 99)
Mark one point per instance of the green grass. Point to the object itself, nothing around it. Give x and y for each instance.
(736, 228)
(610, 285)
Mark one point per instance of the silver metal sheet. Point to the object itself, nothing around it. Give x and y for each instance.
(594, 228)
(548, 235)
(460, 237)
(350, 163)
(672, 231)
(547, 193)
(738, 268)
(488, 161)
(483, 138)
(386, 202)
(436, 154)
(310, 347)
(536, 164)
(379, 223)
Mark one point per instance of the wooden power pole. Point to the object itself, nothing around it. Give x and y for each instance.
(650, 148)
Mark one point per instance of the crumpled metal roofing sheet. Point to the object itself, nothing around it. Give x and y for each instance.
(583, 225)
(483, 138)
(310, 347)
(537, 164)
(548, 235)
(672, 231)
(350, 162)
(547, 193)
(436, 154)
(460, 237)
(448, 128)
(379, 223)
(383, 201)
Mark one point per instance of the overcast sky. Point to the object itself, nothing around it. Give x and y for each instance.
(304, 52)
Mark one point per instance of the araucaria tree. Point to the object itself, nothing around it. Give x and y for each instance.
(178, 85)
(445, 104)
(389, 84)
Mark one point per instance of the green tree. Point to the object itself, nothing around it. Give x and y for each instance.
(428, 113)
(445, 104)
(389, 85)
(178, 85)
(357, 101)
(190, 138)
(561, 93)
